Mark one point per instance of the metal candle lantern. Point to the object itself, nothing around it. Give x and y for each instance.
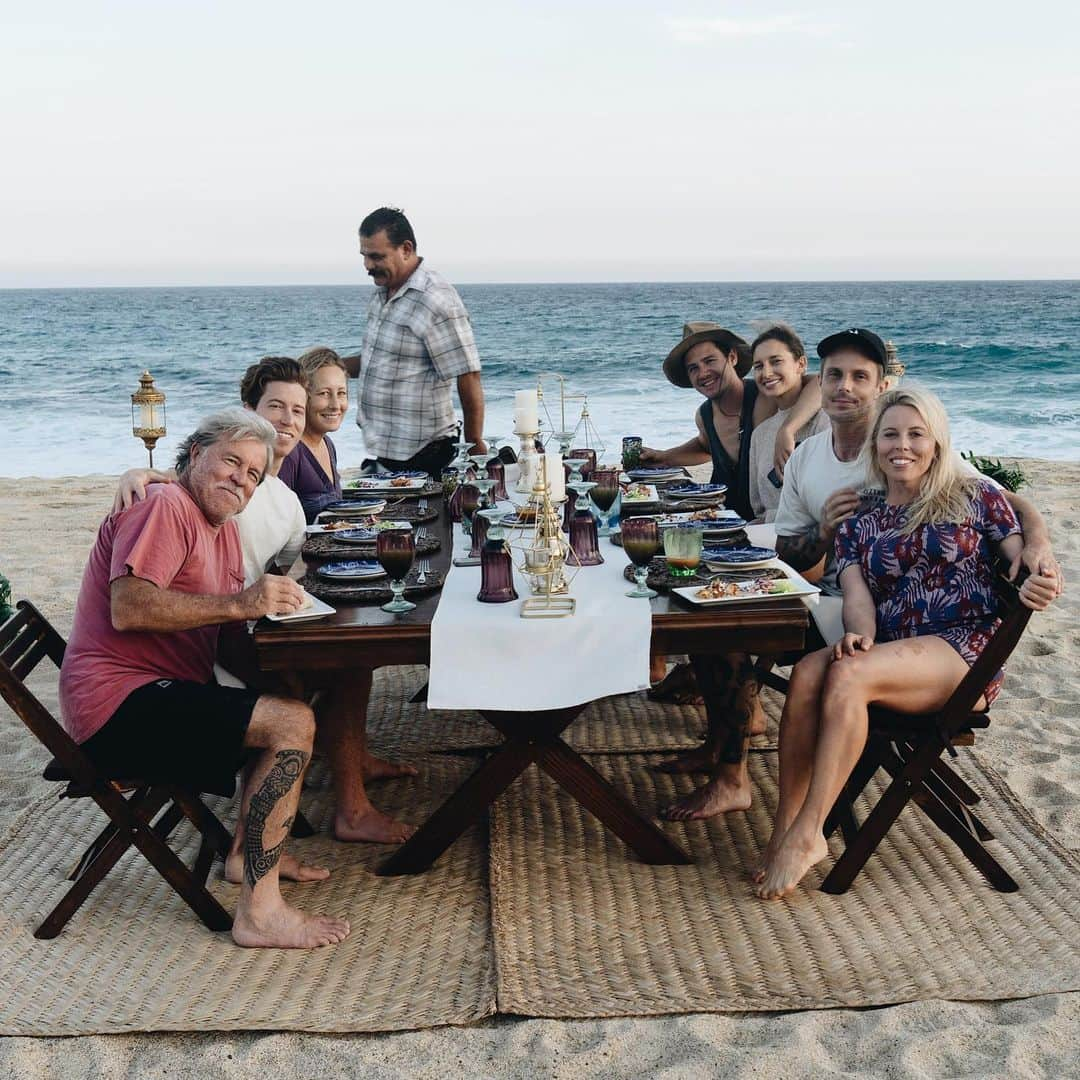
(148, 414)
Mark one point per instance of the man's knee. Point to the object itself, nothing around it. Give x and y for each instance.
(845, 680)
(283, 722)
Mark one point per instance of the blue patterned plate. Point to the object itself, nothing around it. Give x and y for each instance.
(354, 570)
(695, 491)
(356, 536)
(745, 557)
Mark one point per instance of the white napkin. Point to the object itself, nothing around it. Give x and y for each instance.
(485, 656)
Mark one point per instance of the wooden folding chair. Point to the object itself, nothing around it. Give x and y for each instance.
(143, 818)
(909, 749)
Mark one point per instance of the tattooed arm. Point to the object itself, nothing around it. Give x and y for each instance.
(808, 548)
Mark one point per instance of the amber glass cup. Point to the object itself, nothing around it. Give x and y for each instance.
(640, 541)
(395, 550)
(604, 495)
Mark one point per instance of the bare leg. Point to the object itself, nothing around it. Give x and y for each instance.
(343, 732)
(730, 689)
(283, 730)
(914, 675)
(289, 866)
(798, 740)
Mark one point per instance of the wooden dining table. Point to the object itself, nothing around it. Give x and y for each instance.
(362, 635)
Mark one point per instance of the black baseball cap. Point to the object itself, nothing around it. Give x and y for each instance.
(864, 341)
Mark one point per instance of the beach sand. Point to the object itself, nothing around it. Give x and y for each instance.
(46, 530)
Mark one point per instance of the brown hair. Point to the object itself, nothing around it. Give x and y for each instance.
(785, 335)
(319, 357)
(269, 369)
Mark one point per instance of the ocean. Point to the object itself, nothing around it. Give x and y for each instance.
(1004, 356)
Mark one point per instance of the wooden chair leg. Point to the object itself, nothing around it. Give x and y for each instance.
(107, 855)
(91, 853)
(949, 797)
(205, 820)
(860, 776)
(957, 784)
(880, 819)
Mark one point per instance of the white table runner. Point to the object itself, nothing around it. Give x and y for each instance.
(485, 656)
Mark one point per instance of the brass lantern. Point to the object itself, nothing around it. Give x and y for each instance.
(148, 414)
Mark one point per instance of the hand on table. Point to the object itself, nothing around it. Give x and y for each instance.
(272, 594)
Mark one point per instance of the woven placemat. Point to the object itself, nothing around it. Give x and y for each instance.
(622, 724)
(584, 930)
(136, 959)
(324, 546)
(359, 592)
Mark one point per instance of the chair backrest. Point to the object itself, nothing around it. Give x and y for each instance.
(26, 639)
(1014, 617)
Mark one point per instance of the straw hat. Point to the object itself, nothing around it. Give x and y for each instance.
(693, 334)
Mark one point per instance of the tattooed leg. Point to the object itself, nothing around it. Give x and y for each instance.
(284, 773)
(729, 685)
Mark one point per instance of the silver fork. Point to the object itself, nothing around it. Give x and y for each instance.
(421, 533)
(425, 566)
(421, 504)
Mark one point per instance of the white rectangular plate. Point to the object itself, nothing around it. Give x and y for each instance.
(382, 487)
(650, 495)
(317, 610)
(801, 587)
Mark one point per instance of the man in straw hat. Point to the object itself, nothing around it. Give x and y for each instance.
(715, 362)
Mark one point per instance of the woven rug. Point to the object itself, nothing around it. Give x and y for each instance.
(628, 723)
(583, 930)
(136, 959)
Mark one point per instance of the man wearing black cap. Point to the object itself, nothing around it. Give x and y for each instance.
(820, 490)
(715, 362)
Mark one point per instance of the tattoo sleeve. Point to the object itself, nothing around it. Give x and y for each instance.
(805, 550)
(278, 782)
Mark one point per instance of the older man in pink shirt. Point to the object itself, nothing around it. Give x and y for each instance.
(136, 686)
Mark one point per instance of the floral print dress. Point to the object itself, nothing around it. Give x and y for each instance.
(937, 580)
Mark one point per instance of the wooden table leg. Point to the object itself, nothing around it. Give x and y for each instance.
(533, 737)
(464, 807)
(569, 769)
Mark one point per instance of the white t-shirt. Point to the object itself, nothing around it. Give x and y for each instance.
(812, 474)
(271, 529)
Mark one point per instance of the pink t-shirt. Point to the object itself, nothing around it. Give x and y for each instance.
(164, 539)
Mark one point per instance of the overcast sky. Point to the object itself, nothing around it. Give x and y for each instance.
(217, 143)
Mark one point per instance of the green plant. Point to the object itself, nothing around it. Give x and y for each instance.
(6, 610)
(1010, 479)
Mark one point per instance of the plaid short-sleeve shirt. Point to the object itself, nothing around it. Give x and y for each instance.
(416, 343)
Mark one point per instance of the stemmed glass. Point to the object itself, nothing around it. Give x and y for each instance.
(493, 445)
(483, 485)
(565, 439)
(395, 549)
(470, 500)
(576, 465)
(604, 495)
(641, 541)
(583, 526)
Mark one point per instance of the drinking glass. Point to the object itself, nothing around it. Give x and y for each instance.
(589, 462)
(493, 445)
(395, 548)
(604, 495)
(470, 500)
(641, 541)
(631, 451)
(682, 548)
(576, 464)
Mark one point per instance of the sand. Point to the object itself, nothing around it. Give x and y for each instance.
(46, 530)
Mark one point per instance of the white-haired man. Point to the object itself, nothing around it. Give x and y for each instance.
(136, 686)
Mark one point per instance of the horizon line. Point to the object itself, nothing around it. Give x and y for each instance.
(688, 281)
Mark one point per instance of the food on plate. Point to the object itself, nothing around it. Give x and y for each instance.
(717, 590)
(638, 491)
(401, 481)
(338, 526)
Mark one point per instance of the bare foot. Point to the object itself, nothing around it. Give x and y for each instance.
(700, 760)
(376, 768)
(290, 868)
(716, 797)
(279, 926)
(794, 856)
(757, 721)
(372, 827)
(757, 875)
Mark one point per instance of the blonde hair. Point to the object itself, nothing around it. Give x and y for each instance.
(946, 492)
(319, 357)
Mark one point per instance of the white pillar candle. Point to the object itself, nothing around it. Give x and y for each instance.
(526, 411)
(556, 476)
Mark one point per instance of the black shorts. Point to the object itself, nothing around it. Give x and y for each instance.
(170, 731)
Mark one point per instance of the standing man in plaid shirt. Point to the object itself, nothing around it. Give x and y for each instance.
(418, 340)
